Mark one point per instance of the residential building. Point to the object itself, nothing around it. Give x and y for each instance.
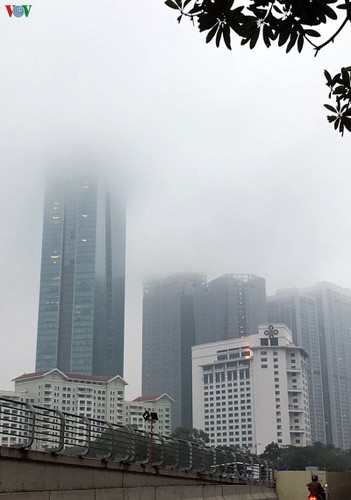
(87, 395)
(334, 323)
(299, 312)
(252, 390)
(160, 404)
(81, 305)
(13, 424)
(231, 306)
(168, 334)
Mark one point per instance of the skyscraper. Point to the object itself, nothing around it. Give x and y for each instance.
(168, 334)
(299, 312)
(231, 306)
(334, 323)
(81, 305)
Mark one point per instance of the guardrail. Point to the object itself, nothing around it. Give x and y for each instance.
(50, 430)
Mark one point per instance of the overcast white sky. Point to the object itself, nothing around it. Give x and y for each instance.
(231, 163)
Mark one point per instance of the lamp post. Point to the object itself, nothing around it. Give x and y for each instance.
(151, 417)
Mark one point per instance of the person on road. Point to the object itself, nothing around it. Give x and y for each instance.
(315, 488)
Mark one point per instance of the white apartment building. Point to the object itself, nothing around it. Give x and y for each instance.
(252, 390)
(92, 396)
(9, 430)
(162, 405)
(89, 395)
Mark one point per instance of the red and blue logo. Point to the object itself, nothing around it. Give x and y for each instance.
(18, 10)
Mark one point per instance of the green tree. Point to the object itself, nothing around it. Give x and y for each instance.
(326, 457)
(273, 452)
(194, 435)
(286, 23)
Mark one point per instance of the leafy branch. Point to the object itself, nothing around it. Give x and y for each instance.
(340, 89)
(287, 23)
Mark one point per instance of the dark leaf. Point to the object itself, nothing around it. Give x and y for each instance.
(226, 36)
(266, 38)
(171, 4)
(300, 43)
(329, 12)
(339, 90)
(292, 41)
(345, 77)
(283, 37)
(211, 33)
(333, 110)
(328, 77)
(218, 37)
(331, 118)
(254, 38)
(312, 33)
(336, 79)
(347, 123)
(244, 41)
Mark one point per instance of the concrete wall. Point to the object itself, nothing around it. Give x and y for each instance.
(291, 485)
(34, 475)
(205, 492)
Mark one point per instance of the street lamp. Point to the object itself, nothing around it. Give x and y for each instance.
(152, 417)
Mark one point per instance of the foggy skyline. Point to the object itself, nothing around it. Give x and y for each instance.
(230, 163)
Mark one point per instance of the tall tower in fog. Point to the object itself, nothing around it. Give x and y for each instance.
(81, 305)
(299, 312)
(334, 323)
(231, 306)
(168, 334)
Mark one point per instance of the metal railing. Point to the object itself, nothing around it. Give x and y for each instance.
(34, 427)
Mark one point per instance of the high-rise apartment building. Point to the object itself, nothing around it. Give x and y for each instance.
(168, 334)
(299, 312)
(252, 390)
(81, 305)
(334, 323)
(231, 306)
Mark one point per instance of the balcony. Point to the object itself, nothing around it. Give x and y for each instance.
(296, 429)
(295, 408)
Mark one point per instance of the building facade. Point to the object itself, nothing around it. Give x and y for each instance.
(299, 312)
(82, 283)
(168, 334)
(334, 323)
(161, 404)
(13, 429)
(95, 397)
(231, 306)
(86, 395)
(252, 390)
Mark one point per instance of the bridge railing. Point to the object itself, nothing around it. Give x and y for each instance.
(50, 430)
